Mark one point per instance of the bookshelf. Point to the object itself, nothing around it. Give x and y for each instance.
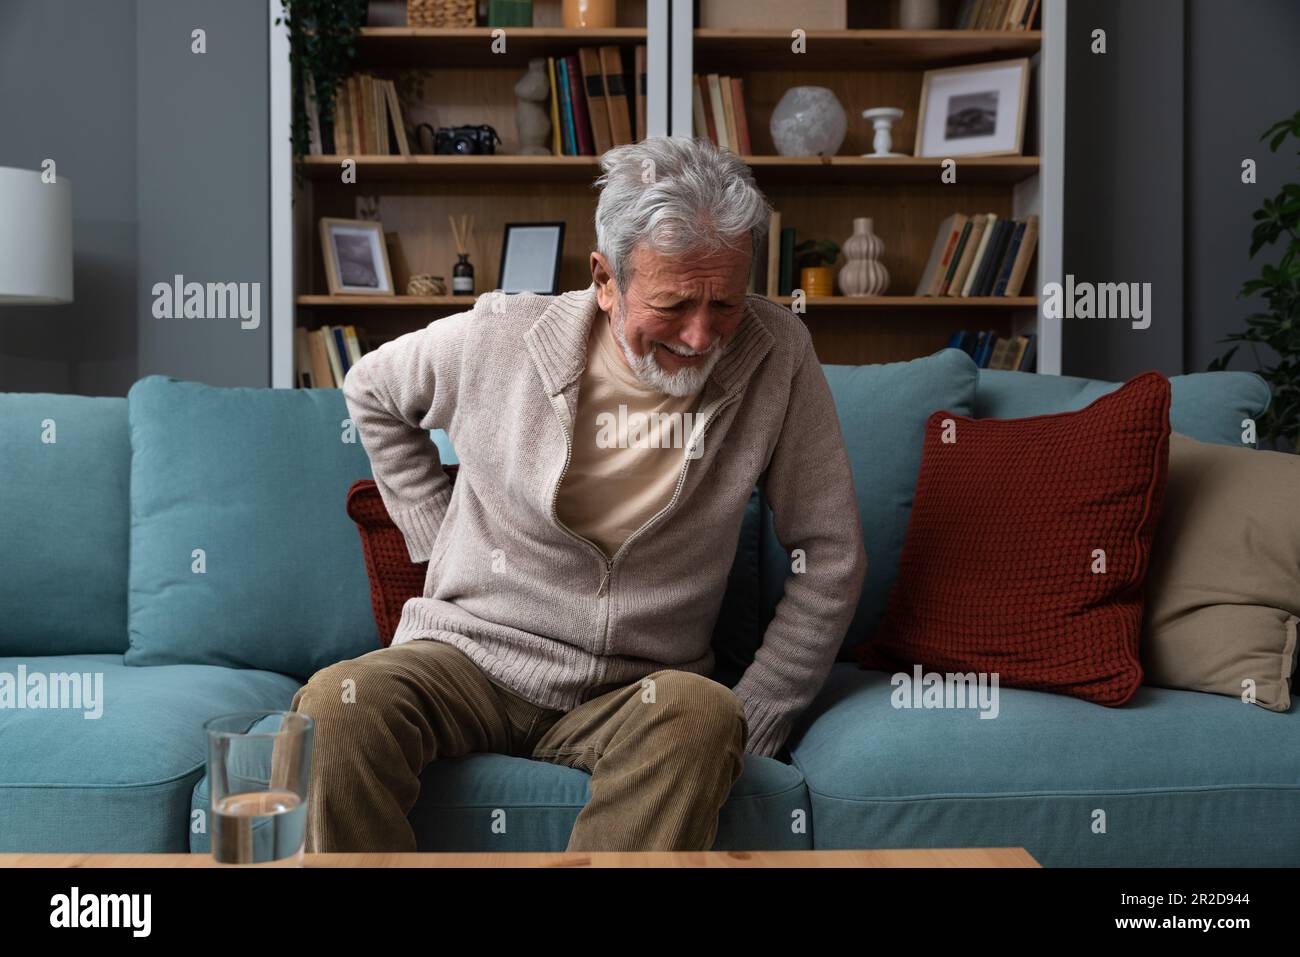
(872, 63)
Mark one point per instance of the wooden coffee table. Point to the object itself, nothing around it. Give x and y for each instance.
(935, 857)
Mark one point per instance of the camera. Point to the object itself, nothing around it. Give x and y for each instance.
(465, 139)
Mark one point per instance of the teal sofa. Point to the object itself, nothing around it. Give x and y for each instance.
(96, 522)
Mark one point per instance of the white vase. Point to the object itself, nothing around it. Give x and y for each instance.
(918, 14)
(862, 273)
(808, 121)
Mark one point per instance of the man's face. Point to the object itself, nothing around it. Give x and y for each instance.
(677, 314)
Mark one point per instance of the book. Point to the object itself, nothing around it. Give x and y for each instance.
(977, 346)
(981, 250)
(719, 112)
(566, 108)
(354, 102)
(742, 124)
(1024, 257)
(1000, 349)
(326, 335)
(1005, 261)
(639, 61)
(955, 259)
(990, 341)
(353, 344)
(977, 224)
(313, 119)
(342, 121)
(706, 101)
(395, 115)
(593, 86)
(1029, 361)
(321, 372)
(992, 257)
(1009, 260)
(955, 223)
(729, 108)
(1016, 352)
(1028, 23)
(557, 133)
(620, 119)
(341, 345)
(699, 124)
(774, 254)
(936, 253)
(578, 102)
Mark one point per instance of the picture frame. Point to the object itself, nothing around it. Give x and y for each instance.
(530, 258)
(973, 110)
(356, 257)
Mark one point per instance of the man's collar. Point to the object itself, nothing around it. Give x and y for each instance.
(557, 342)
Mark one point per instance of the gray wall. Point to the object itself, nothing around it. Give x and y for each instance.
(1243, 76)
(1156, 130)
(202, 181)
(1124, 180)
(67, 93)
(166, 152)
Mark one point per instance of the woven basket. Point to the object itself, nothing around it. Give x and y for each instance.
(440, 13)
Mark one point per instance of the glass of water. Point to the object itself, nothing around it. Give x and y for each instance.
(259, 764)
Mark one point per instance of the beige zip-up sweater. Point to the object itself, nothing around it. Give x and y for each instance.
(545, 612)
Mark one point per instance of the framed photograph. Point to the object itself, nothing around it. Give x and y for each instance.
(356, 259)
(976, 110)
(530, 258)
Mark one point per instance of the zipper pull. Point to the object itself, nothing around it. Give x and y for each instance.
(604, 579)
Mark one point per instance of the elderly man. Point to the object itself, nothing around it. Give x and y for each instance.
(608, 441)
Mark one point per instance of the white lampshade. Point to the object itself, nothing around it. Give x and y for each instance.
(35, 239)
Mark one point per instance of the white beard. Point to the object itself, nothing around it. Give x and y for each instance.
(683, 382)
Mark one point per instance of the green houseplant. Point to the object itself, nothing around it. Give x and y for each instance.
(322, 51)
(1276, 222)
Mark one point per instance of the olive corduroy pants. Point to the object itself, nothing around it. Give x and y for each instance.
(662, 753)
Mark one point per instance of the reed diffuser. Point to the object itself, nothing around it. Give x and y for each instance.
(462, 274)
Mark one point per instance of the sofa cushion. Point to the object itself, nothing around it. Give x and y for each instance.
(1028, 546)
(882, 411)
(121, 781)
(1182, 778)
(257, 479)
(1224, 591)
(65, 469)
(1209, 406)
(462, 799)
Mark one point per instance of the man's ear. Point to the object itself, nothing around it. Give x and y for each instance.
(603, 277)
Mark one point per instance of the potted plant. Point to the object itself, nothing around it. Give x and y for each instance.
(322, 49)
(1279, 285)
(814, 259)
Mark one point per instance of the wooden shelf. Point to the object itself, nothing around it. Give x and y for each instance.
(889, 303)
(431, 168)
(895, 169)
(841, 303)
(837, 169)
(858, 49)
(430, 47)
(386, 302)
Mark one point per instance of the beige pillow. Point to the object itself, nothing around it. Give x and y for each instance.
(1223, 590)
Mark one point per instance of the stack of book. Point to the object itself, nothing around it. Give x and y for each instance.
(322, 357)
(980, 255)
(367, 120)
(991, 351)
(592, 108)
(997, 14)
(718, 104)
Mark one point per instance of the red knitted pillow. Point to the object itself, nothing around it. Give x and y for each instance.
(1027, 549)
(393, 576)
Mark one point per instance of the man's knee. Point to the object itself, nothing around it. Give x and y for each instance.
(710, 709)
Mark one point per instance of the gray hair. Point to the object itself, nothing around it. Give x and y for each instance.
(677, 195)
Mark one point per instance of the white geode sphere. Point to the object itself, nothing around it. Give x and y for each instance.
(809, 121)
